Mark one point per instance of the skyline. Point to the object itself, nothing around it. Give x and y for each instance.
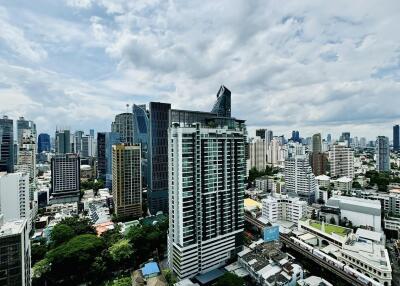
(293, 66)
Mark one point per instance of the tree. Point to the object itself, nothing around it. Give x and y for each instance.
(332, 220)
(229, 279)
(356, 185)
(71, 261)
(79, 225)
(170, 277)
(121, 250)
(61, 233)
(38, 251)
(124, 281)
(320, 201)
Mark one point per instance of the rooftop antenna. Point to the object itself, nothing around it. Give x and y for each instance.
(127, 108)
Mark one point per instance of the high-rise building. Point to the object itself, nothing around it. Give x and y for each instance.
(141, 135)
(299, 178)
(123, 125)
(63, 142)
(44, 143)
(26, 161)
(88, 146)
(346, 138)
(258, 154)
(127, 180)
(14, 196)
(396, 138)
(206, 183)
(77, 142)
(295, 136)
(382, 151)
(341, 161)
(6, 145)
(159, 122)
(65, 178)
(275, 153)
(319, 160)
(15, 254)
(105, 141)
(222, 107)
(22, 126)
(294, 149)
(329, 138)
(363, 142)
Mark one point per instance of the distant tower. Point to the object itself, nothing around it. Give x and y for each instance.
(382, 154)
(396, 138)
(223, 105)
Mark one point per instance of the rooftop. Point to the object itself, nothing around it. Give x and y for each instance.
(330, 228)
(12, 227)
(150, 269)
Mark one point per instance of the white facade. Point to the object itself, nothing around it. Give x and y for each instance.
(341, 161)
(342, 184)
(298, 176)
(361, 212)
(258, 154)
(323, 181)
(14, 196)
(275, 153)
(283, 207)
(206, 192)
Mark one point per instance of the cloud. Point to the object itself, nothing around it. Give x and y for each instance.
(290, 65)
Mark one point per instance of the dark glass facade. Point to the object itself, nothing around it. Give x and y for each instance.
(223, 105)
(396, 138)
(6, 145)
(44, 144)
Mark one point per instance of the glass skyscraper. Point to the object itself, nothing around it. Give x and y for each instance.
(44, 142)
(6, 145)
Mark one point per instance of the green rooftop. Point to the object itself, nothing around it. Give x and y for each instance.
(330, 228)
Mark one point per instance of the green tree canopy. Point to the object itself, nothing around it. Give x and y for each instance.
(229, 279)
(61, 233)
(121, 250)
(79, 225)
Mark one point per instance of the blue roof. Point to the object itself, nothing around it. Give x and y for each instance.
(150, 268)
(209, 276)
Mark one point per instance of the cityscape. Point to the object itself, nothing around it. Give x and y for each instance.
(128, 157)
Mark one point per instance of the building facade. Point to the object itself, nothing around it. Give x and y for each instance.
(382, 151)
(44, 144)
(6, 145)
(63, 142)
(123, 125)
(283, 207)
(207, 170)
(127, 180)
(396, 138)
(65, 178)
(341, 161)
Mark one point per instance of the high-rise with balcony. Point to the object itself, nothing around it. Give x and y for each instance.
(6, 145)
(206, 191)
(127, 180)
(341, 161)
(382, 151)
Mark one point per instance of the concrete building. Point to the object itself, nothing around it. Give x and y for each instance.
(283, 207)
(342, 184)
(341, 161)
(6, 145)
(382, 152)
(314, 281)
(127, 180)
(269, 266)
(15, 253)
(299, 178)
(14, 196)
(323, 181)
(26, 161)
(206, 179)
(361, 212)
(65, 178)
(258, 154)
(275, 153)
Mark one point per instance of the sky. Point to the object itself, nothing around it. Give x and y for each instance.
(313, 66)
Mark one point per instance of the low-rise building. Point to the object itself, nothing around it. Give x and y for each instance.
(268, 265)
(283, 207)
(314, 281)
(343, 184)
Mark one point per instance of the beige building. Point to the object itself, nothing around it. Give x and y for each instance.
(127, 180)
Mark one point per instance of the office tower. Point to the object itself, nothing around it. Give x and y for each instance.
(223, 105)
(63, 142)
(123, 125)
(396, 138)
(6, 145)
(44, 144)
(22, 125)
(127, 180)
(329, 138)
(341, 161)
(91, 132)
(345, 138)
(319, 160)
(382, 151)
(105, 141)
(14, 196)
(258, 154)
(207, 170)
(363, 142)
(88, 147)
(295, 136)
(140, 135)
(299, 178)
(76, 145)
(65, 178)
(15, 254)
(157, 193)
